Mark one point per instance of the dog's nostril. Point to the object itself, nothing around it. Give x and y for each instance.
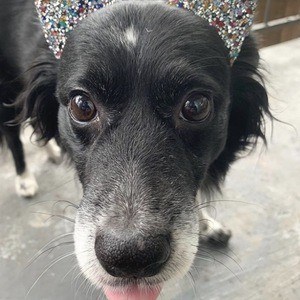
(132, 255)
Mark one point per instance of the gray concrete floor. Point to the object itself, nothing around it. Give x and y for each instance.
(260, 204)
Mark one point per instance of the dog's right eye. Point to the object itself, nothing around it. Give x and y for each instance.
(82, 109)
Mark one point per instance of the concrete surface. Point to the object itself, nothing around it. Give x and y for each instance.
(260, 204)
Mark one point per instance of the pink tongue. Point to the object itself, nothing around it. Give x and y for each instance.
(133, 294)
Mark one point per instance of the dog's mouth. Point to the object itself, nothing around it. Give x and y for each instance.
(133, 292)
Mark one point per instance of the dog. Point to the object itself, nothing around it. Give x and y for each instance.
(152, 113)
(12, 81)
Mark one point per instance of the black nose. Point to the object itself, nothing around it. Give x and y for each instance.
(130, 255)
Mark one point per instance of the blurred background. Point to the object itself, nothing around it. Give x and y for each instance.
(277, 21)
(260, 204)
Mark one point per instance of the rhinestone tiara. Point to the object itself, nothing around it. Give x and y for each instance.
(232, 18)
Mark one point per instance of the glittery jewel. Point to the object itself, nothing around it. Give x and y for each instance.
(61, 16)
(232, 19)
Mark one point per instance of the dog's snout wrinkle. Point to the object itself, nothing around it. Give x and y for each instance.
(130, 255)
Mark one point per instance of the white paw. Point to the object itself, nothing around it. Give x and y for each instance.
(54, 152)
(26, 185)
(211, 230)
(218, 236)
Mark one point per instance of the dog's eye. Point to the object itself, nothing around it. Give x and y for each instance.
(82, 108)
(196, 108)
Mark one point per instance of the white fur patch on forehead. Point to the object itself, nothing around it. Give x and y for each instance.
(131, 36)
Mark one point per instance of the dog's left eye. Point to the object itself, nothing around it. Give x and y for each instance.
(197, 108)
(82, 109)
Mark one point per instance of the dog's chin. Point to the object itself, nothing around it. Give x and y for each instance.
(184, 249)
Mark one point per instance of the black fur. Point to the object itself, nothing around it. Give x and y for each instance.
(139, 152)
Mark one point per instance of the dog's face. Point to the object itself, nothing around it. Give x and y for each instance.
(144, 94)
(151, 112)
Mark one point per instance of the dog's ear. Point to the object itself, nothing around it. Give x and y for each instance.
(249, 107)
(249, 98)
(37, 102)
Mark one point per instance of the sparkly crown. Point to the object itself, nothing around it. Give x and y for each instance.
(58, 17)
(232, 18)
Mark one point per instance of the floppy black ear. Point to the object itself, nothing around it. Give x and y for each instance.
(249, 106)
(250, 102)
(37, 102)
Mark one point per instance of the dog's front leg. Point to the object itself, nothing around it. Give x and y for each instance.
(53, 151)
(210, 229)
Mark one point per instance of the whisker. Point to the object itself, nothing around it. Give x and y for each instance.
(89, 290)
(229, 269)
(94, 290)
(56, 201)
(232, 201)
(225, 254)
(204, 258)
(45, 246)
(219, 241)
(50, 250)
(46, 270)
(200, 247)
(195, 269)
(70, 204)
(59, 186)
(192, 282)
(101, 296)
(204, 206)
(81, 272)
(72, 269)
(54, 216)
(83, 282)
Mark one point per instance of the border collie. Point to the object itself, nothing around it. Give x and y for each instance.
(147, 105)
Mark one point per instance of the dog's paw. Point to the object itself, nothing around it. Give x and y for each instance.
(26, 185)
(220, 236)
(214, 232)
(54, 152)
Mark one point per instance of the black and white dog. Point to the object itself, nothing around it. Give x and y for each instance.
(145, 102)
(16, 59)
